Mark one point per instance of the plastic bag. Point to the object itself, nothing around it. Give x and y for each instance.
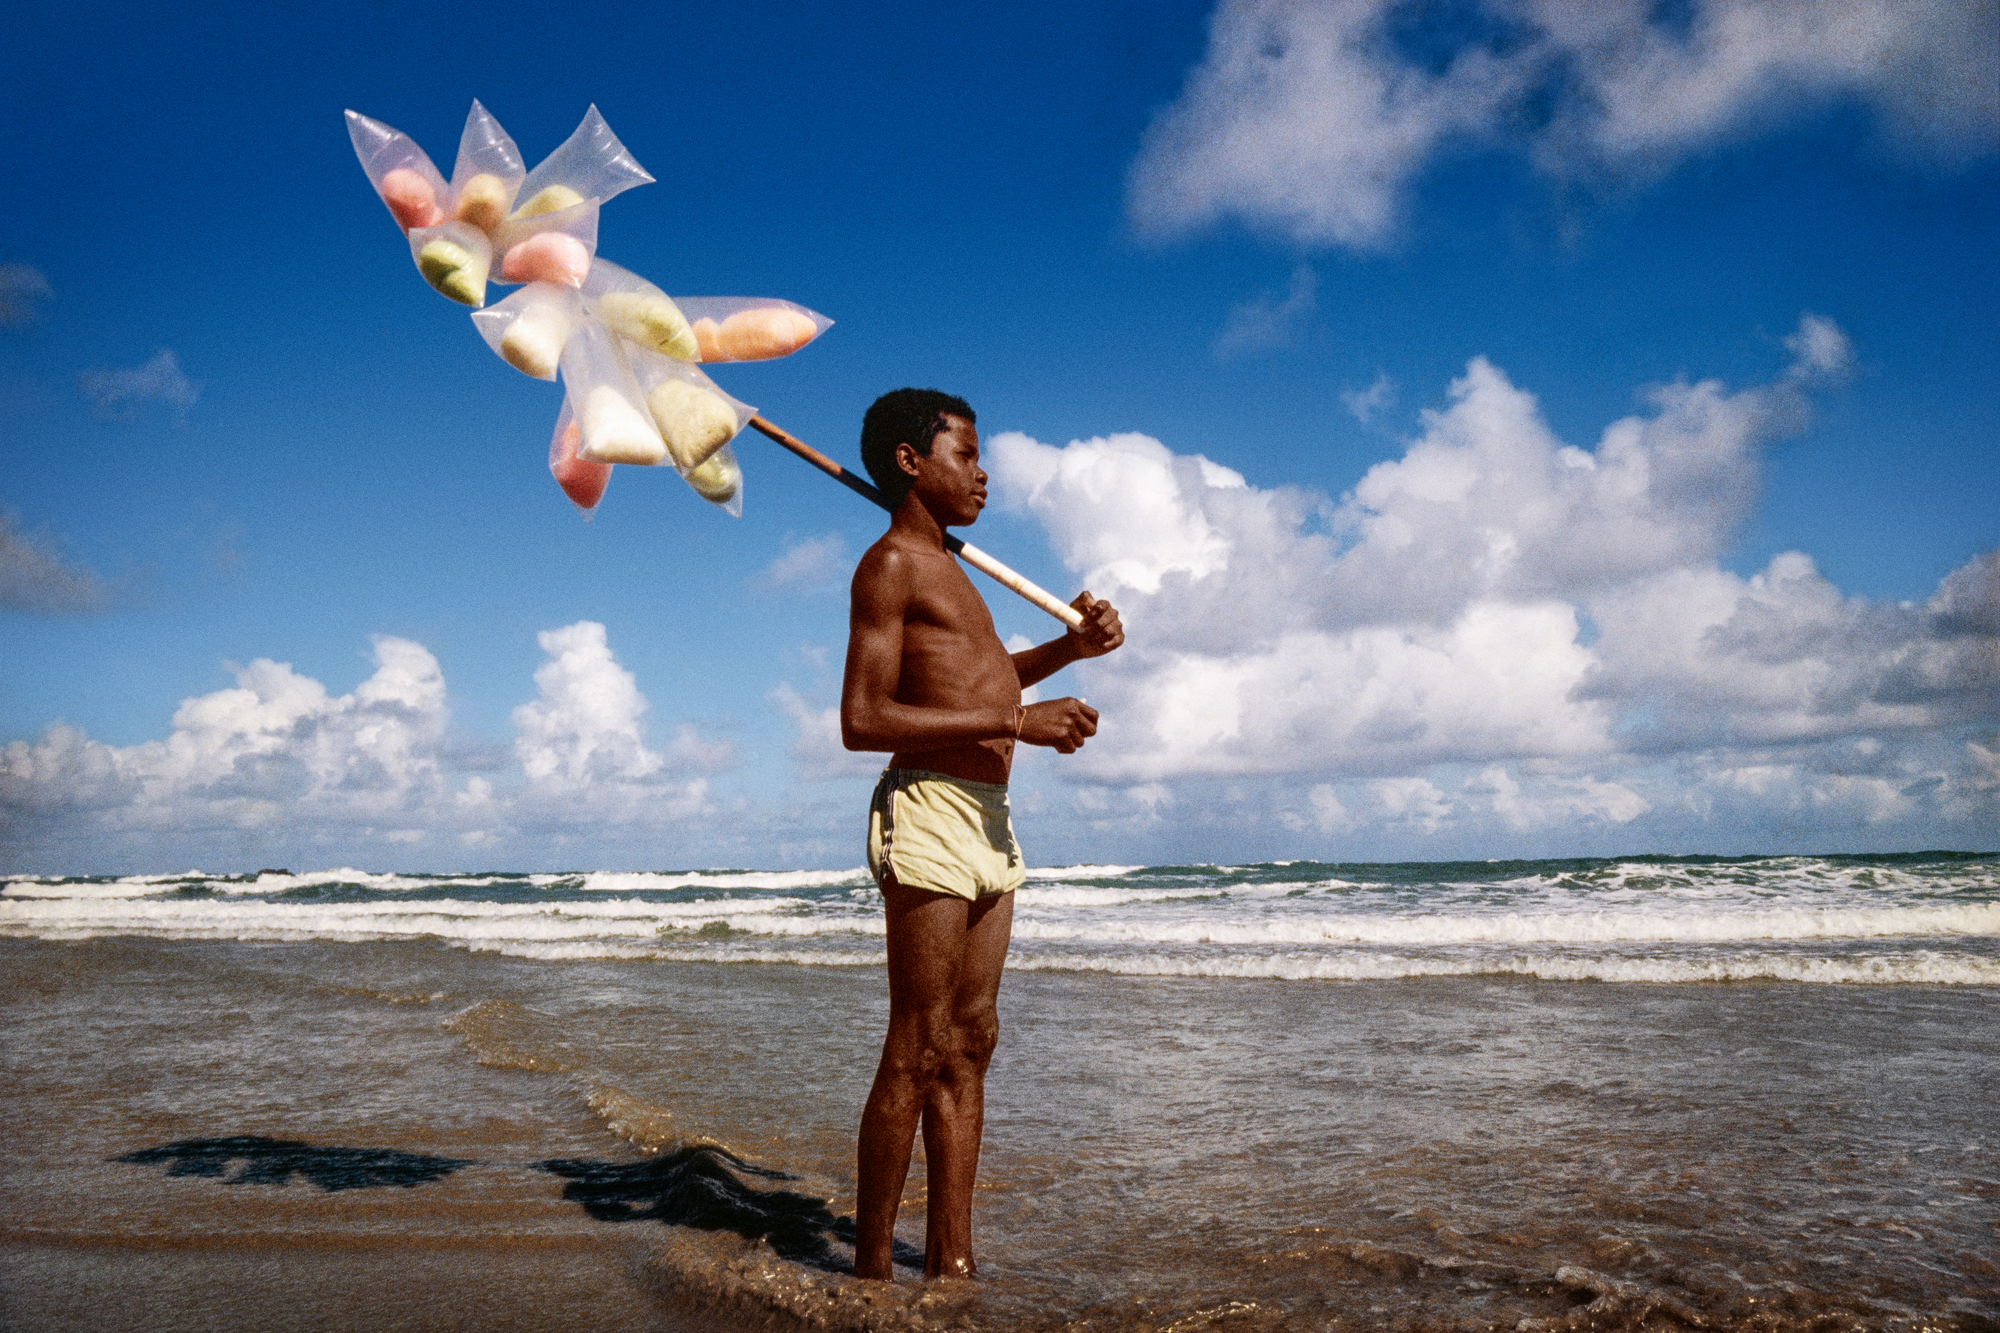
(697, 421)
(581, 480)
(590, 164)
(549, 247)
(402, 173)
(637, 311)
(719, 481)
(454, 258)
(529, 328)
(614, 424)
(748, 328)
(487, 173)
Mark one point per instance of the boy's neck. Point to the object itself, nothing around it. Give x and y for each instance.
(913, 519)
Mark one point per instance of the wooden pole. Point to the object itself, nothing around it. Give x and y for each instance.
(965, 550)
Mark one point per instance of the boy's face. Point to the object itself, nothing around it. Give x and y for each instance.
(949, 481)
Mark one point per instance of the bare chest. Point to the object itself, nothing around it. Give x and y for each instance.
(951, 649)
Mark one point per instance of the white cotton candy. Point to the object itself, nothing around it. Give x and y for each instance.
(533, 343)
(529, 329)
(614, 431)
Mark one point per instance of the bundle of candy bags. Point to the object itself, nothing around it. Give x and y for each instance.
(626, 352)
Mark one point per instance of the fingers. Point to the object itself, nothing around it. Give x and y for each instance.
(1101, 630)
(1061, 724)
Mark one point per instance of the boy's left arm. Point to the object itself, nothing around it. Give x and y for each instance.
(1100, 632)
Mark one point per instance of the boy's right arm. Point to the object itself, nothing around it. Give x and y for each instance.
(873, 718)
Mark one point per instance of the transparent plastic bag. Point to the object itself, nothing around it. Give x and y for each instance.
(719, 481)
(549, 247)
(581, 480)
(487, 173)
(590, 164)
(402, 173)
(637, 311)
(697, 421)
(748, 328)
(610, 413)
(529, 328)
(454, 258)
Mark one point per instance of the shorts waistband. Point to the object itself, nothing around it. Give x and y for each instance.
(902, 775)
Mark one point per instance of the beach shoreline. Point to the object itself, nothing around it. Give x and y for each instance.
(359, 1133)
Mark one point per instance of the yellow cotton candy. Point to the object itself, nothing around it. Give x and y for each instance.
(650, 320)
(549, 199)
(614, 431)
(693, 421)
(483, 201)
(454, 270)
(718, 479)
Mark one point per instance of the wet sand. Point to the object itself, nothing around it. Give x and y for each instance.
(1444, 1154)
(246, 1285)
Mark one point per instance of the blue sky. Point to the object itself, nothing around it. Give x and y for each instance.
(1596, 405)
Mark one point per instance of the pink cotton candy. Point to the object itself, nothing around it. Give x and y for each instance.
(582, 481)
(550, 256)
(754, 335)
(411, 200)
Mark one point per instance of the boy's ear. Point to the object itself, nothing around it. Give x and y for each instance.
(906, 457)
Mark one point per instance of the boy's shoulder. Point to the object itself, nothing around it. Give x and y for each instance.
(896, 551)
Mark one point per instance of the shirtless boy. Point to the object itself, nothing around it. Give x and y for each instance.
(929, 680)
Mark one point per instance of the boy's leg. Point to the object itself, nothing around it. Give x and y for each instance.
(955, 1111)
(927, 938)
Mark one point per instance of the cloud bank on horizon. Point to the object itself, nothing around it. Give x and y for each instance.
(278, 751)
(1496, 631)
(1547, 624)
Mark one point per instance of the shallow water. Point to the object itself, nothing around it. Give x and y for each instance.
(1184, 1152)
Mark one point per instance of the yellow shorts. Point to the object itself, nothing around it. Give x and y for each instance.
(943, 835)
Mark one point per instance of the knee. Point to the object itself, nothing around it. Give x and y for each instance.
(976, 1033)
(923, 1046)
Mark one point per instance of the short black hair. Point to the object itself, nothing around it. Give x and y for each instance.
(905, 416)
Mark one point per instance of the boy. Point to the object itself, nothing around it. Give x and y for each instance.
(929, 680)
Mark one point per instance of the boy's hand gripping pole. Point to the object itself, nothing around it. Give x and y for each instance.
(965, 550)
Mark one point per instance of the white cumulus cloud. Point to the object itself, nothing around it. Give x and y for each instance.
(279, 759)
(582, 743)
(1310, 118)
(1500, 626)
(274, 748)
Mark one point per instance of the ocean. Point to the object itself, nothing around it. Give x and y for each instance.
(1641, 1093)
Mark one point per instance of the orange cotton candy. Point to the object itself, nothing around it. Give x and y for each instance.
(754, 335)
(582, 481)
(550, 256)
(411, 199)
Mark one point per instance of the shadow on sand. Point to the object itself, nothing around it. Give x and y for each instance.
(276, 1161)
(695, 1186)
